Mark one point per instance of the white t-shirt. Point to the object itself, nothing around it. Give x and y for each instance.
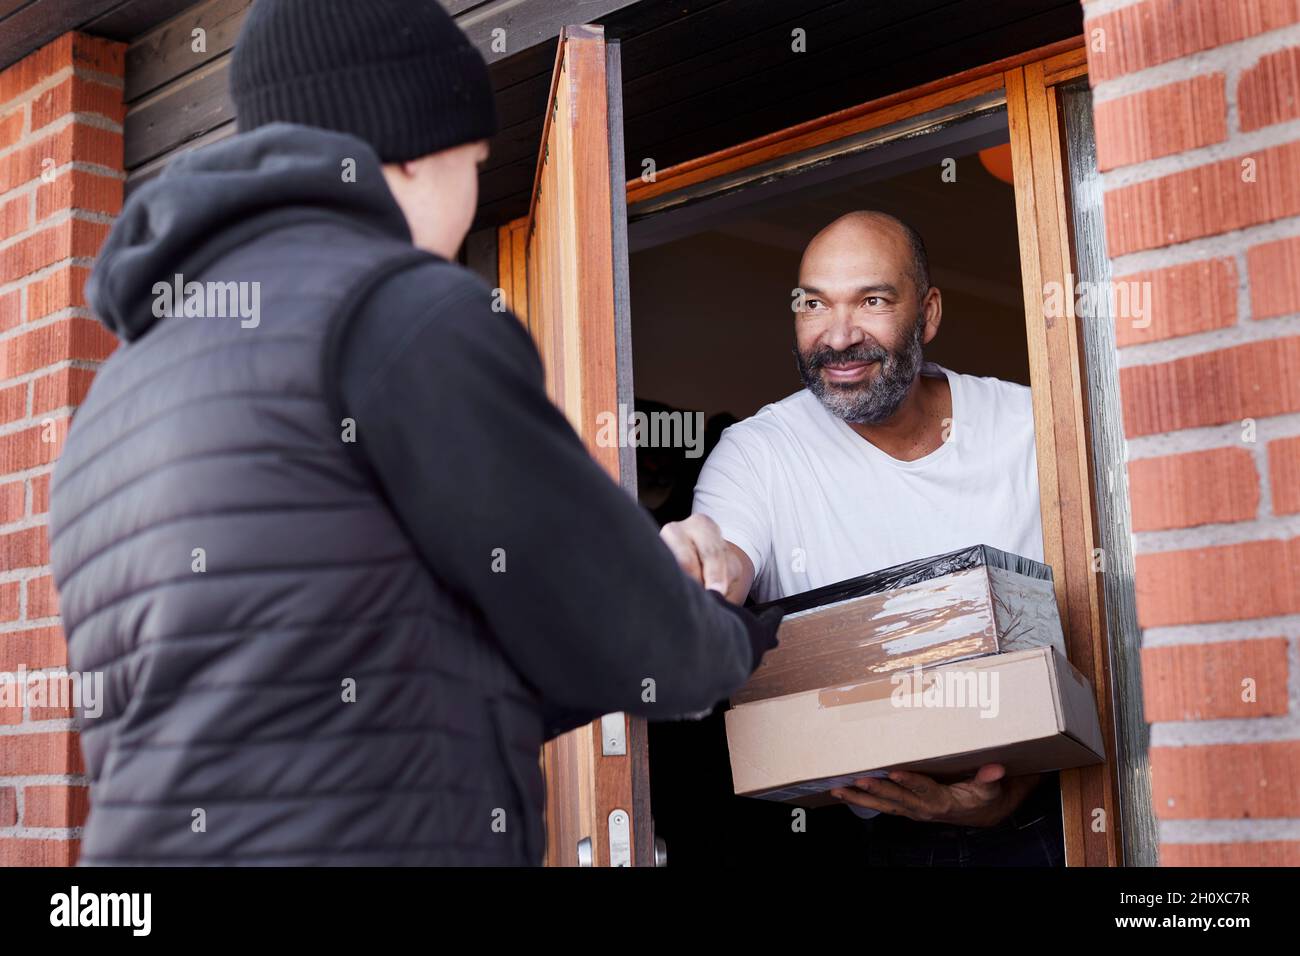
(812, 502)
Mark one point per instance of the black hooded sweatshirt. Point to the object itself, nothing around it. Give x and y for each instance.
(461, 536)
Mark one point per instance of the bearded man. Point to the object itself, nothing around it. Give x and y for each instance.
(882, 458)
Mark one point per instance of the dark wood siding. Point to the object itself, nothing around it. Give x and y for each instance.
(699, 75)
(26, 25)
(177, 99)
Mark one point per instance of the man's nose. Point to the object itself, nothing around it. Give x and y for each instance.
(843, 333)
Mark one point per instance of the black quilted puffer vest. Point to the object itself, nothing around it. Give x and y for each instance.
(285, 681)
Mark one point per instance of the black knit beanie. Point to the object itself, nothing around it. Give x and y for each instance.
(398, 74)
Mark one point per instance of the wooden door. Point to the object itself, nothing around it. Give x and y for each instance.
(564, 272)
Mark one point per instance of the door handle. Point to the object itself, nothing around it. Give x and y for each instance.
(660, 850)
(660, 846)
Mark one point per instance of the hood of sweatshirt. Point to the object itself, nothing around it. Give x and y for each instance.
(208, 201)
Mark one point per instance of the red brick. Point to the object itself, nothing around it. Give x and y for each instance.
(98, 54)
(40, 494)
(33, 648)
(77, 189)
(16, 851)
(42, 600)
(34, 252)
(1147, 34)
(73, 238)
(55, 806)
(1253, 380)
(1204, 681)
(66, 387)
(1263, 853)
(51, 698)
(12, 501)
(1203, 487)
(1183, 300)
(1225, 583)
(1258, 781)
(1274, 269)
(34, 754)
(1284, 475)
(1203, 201)
(23, 165)
(1160, 122)
(27, 548)
(11, 126)
(33, 446)
(91, 144)
(78, 94)
(1269, 92)
(13, 403)
(11, 310)
(73, 338)
(33, 68)
(15, 216)
(87, 144)
(9, 596)
(8, 806)
(63, 289)
(69, 50)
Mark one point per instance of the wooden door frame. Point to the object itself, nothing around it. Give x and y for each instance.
(1061, 423)
(1057, 377)
(574, 238)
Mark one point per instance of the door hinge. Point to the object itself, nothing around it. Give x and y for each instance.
(620, 838)
(613, 735)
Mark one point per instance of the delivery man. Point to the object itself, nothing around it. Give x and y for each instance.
(881, 459)
(343, 565)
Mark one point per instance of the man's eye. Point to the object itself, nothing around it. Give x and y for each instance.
(873, 300)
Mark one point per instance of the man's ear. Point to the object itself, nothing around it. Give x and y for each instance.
(932, 306)
(400, 172)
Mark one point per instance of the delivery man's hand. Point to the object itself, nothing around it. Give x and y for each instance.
(983, 801)
(703, 553)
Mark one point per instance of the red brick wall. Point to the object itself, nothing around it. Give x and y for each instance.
(61, 180)
(1197, 104)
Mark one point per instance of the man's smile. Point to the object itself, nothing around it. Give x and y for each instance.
(848, 372)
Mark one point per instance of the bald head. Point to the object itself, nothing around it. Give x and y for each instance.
(865, 309)
(849, 236)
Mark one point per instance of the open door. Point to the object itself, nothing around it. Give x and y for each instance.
(568, 263)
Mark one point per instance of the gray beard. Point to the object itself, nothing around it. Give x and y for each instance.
(864, 403)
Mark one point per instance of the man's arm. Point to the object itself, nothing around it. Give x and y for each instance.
(722, 543)
(701, 552)
(506, 506)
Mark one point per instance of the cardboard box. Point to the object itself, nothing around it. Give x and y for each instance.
(1041, 716)
(954, 606)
